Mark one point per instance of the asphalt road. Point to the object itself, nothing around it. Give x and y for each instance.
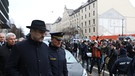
(95, 72)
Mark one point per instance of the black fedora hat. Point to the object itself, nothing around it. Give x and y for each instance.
(38, 24)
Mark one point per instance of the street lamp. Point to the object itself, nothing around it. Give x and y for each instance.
(122, 26)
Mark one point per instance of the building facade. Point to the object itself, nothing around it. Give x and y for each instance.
(4, 18)
(99, 17)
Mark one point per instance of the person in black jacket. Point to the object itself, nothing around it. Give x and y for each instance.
(131, 68)
(120, 66)
(57, 55)
(85, 58)
(75, 46)
(30, 57)
(113, 55)
(5, 51)
(2, 39)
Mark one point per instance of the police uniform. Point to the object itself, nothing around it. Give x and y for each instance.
(57, 57)
(121, 64)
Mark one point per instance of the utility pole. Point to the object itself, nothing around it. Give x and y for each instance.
(122, 26)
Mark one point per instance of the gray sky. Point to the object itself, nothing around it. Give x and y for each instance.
(22, 12)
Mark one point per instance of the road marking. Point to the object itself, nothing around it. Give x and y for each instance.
(102, 71)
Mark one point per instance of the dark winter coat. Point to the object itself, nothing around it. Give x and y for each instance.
(121, 65)
(28, 58)
(113, 57)
(75, 46)
(84, 50)
(4, 55)
(58, 61)
(131, 68)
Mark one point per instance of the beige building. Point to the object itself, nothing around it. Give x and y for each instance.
(99, 17)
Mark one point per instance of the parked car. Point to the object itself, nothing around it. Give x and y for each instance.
(74, 67)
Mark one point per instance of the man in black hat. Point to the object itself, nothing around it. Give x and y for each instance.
(30, 57)
(57, 55)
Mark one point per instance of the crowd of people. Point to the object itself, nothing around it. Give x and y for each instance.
(112, 55)
(30, 56)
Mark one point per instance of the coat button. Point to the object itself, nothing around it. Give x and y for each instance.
(38, 60)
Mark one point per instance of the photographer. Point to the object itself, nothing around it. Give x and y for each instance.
(96, 57)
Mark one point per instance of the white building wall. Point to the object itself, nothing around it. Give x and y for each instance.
(110, 26)
(124, 7)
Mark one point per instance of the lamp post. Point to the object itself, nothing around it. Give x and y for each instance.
(122, 26)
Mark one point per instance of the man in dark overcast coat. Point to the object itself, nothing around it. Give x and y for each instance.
(30, 57)
(5, 51)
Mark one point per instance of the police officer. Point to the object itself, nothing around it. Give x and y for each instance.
(121, 64)
(57, 55)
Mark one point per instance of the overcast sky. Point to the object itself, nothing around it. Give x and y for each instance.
(22, 12)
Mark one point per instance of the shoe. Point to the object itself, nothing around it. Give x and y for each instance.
(89, 74)
(100, 74)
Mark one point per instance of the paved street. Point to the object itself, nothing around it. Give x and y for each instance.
(95, 72)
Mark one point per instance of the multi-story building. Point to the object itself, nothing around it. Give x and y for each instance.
(100, 17)
(4, 18)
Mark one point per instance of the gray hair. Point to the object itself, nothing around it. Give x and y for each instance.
(10, 34)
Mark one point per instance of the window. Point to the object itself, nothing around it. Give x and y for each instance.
(82, 24)
(93, 13)
(82, 10)
(89, 22)
(85, 16)
(85, 30)
(82, 17)
(89, 7)
(89, 30)
(93, 5)
(94, 29)
(85, 23)
(85, 9)
(93, 21)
